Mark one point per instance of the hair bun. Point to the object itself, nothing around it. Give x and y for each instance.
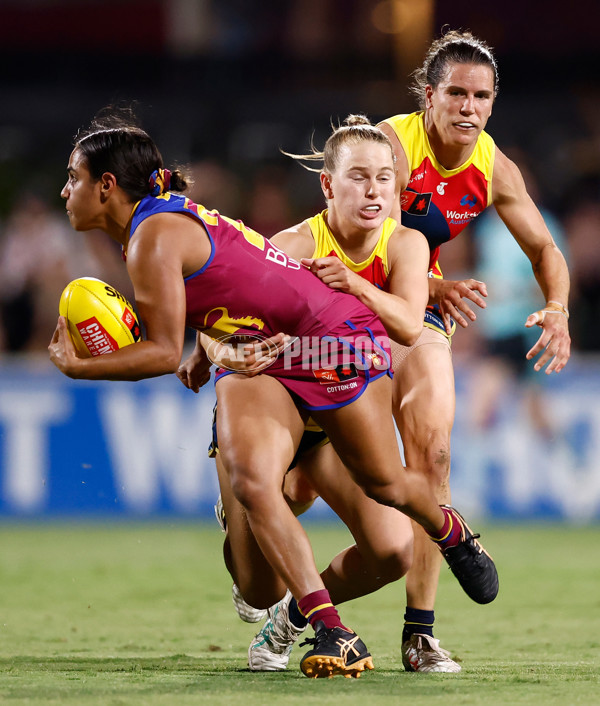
(357, 119)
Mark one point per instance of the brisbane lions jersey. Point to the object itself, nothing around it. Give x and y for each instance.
(249, 285)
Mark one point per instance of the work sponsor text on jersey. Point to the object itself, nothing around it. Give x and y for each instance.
(441, 206)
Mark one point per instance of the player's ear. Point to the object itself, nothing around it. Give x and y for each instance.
(428, 94)
(108, 183)
(326, 185)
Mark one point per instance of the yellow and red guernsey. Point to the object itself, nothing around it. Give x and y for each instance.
(374, 269)
(441, 202)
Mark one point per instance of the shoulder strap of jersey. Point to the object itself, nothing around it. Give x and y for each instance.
(410, 130)
(326, 244)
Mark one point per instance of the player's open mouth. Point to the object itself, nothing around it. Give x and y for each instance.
(465, 126)
(371, 210)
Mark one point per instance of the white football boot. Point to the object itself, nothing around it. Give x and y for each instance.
(270, 649)
(422, 653)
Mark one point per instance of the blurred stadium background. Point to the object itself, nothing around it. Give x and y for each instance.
(223, 85)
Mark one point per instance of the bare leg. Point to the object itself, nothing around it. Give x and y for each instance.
(258, 583)
(424, 402)
(259, 428)
(383, 549)
(297, 489)
(382, 554)
(370, 452)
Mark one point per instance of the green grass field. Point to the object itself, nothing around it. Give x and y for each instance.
(141, 614)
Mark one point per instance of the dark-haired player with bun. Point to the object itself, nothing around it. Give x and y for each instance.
(449, 171)
(190, 266)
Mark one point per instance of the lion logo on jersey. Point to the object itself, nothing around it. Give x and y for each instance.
(218, 322)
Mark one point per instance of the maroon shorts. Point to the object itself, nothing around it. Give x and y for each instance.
(326, 372)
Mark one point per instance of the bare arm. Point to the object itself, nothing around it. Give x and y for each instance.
(155, 263)
(523, 219)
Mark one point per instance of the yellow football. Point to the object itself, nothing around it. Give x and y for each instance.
(100, 318)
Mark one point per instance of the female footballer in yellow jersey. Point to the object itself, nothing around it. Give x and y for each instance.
(448, 171)
(384, 265)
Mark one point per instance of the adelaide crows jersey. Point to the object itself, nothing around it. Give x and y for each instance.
(441, 202)
(374, 269)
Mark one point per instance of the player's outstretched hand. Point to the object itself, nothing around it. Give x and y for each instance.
(554, 343)
(452, 298)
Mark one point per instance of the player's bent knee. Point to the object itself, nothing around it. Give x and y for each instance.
(394, 566)
(388, 495)
(247, 489)
(298, 492)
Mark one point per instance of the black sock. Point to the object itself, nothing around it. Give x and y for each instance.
(296, 617)
(417, 621)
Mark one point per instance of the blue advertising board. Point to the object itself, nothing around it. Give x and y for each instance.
(103, 448)
(138, 450)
